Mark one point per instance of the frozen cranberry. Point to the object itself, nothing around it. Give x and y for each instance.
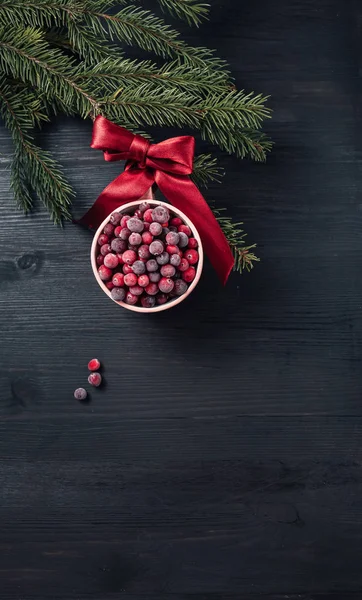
(143, 280)
(108, 229)
(151, 265)
(80, 394)
(117, 230)
(167, 271)
(109, 285)
(129, 256)
(166, 285)
(105, 249)
(130, 279)
(136, 290)
(118, 294)
(147, 237)
(152, 289)
(184, 265)
(127, 269)
(134, 248)
(154, 277)
(131, 298)
(120, 259)
(135, 239)
(95, 379)
(156, 228)
(139, 267)
(124, 220)
(163, 258)
(148, 215)
(180, 287)
(111, 261)
(94, 364)
(104, 273)
(165, 231)
(146, 225)
(118, 279)
(183, 240)
(176, 221)
(103, 239)
(143, 251)
(157, 247)
(185, 229)
(172, 238)
(148, 301)
(138, 214)
(125, 233)
(135, 224)
(172, 228)
(143, 206)
(100, 259)
(118, 245)
(172, 249)
(115, 218)
(193, 243)
(189, 274)
(175, 260)
(192, 256)
(160, 214)
(161, 298)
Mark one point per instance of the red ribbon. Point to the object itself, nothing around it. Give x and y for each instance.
(167, 164)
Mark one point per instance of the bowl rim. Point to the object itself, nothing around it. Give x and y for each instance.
(123, 208)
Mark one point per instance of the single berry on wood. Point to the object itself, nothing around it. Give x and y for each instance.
(108, 229)
(156, 247)
(135, 225)
(95, 379)
(184, 229)
(180, 287)
(172, 238)
(166, 285)
(189, 274)
(155, 228)
(80, 394)
(193, 243)
(175, 260)
(106, 249)
(103, 239)
(161, 298)
(104, 273)
(183, 240)
(118, 294)
(130, 279)
(115, 218)
(118, 280)
(139, 267)
(148, 301)
(167, 271)
(163, 258)
(144, 251)
(118, 245)
(143, 280)
(151, 289)
(192, 256)
(151, 265)
(94, 364)
(129, 257)
(131, 298)
(100, 259)
(136, 290)
(184, 265)
(154, 277)
(111, 261)
(147, 237)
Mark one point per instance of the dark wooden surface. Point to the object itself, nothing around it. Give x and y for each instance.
(222, 461)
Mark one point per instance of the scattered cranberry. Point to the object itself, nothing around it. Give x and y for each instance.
(117, 230)
(104, 273)
(80, 394)
(106, 249)
(103, 239)
(124, 220)
(131, 298)
(147, 237)
(143, 280)
(144, 251)
(176, 221)
(135, 224)
(161, 298)
(172, 238)
(126, 269)
(163, 258)
(109, 285)
(155, 228)
(118, 245)
(184, 265)
(108, 229)
(115, 218)
(95, 379)
(94, 364)
(130, 279)
(193, 243)
(118, 294)
(129, 257)
(157, 247)
(166, 285)
(167, 271)
(189, 274)
(139, 267)
(118, 280)
(100, 259)
(148, 215)
(151, 289)
(148, 301)
(192, 256)
(111, 261)
(160, 214)
(135, 239)
(184, 229)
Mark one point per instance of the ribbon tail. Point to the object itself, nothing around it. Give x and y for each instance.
(127, 187)
(183, 193)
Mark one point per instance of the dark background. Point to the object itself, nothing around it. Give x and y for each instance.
(222, 460)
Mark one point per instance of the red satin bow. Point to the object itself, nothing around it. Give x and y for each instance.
(168, 164)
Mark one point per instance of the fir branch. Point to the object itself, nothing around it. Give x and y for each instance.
(192, 11)
(206, 170)
(235, 235)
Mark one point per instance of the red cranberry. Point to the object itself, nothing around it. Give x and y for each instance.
(100, 259)
(192, 256)
(143, 280)
(127, 269)
(120, 259)
(193, 243)
(148, 301)
(118, 279)
(161, 298)
(124, 220)
(167, 271)
(148, 215)
(136, 290)
(131, 298)
(147, 237)
(103, 239)
(104, 273)
(180, 287)
(185, 229)
(115, 218)
(189, 274)
(118, 294)
(165, 227)
(135, 225)
(129, 256)
(106, 249)
(166, 285)
(138, 213)
(172, 249)
(176, 221)
(130, 279)
(118, 245)
(108, 229)
(135, 239)
(117, 230)
(125, 233)
(95, 379)
(80, 394)
(143, 251)
(111, 261)
(184, 265)
(152, 289)
(143, 206)
(94, 364)
(156, 228)
(157, 247)
(109, 285)
(146, 225)
(172, 238)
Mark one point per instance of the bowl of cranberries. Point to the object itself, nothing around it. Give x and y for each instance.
(147, 256)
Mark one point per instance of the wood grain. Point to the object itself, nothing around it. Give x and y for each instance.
(222, 459)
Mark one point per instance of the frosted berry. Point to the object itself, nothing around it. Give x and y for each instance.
(143, 280)
(94, 364)
(124, 220)
(152, 289)
(115, 218)
(143, 206)
(135, 239)
(144, 251)
(117, 230)
(184, 265)
(148, 216)
(167, 271)
(80, 394)
(172, 249)
(136, 290)
(118, 294)
(100, 259)
(193, 243)
(157, 247)
(192, 256)
(163, 258)
(151, 265)
(161, 298)
(109, 285)
(175, 260)
(176, 221)
(125, 233)
(189, 274)
(131, 298)
(105, 249)
(118, 280)
(118, 245)
(130, 279)
(160, 214)
(155, 228)
(108, 229)
(183, 240)
(95, 379)
(104, 273)
(166, 285)
(126, 268)
(172, 238)
(139, 267)
(184, 229)
(135, 224)
(103, 239)
(129, 257)
(147, 237)
(180, 287)
(111, 261)
(148, 301)
(154, 277)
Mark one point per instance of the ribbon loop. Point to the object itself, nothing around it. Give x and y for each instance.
(138, 150)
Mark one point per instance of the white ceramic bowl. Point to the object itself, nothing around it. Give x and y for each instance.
(124, 209)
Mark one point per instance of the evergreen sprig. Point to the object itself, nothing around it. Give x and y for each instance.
(67, 56)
